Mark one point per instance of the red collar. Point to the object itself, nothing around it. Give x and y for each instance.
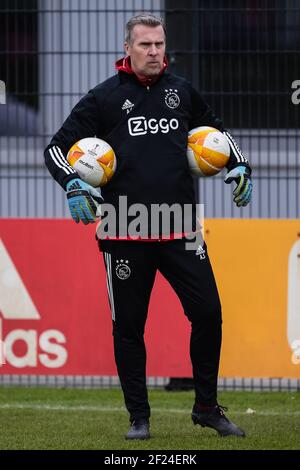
(124, 65)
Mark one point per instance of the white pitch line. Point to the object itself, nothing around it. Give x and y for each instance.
(33, 406)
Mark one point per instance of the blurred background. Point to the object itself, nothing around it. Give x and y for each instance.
(243, 57)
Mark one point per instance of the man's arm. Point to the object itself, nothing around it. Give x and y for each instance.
(202, 115)
(82, 122)
(238, 166)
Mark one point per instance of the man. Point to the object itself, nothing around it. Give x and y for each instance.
(130, 111)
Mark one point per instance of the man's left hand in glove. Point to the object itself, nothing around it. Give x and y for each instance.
(243, 191)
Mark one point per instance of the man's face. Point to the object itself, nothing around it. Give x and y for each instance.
(146, 49)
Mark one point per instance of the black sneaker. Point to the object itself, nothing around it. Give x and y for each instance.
(216, 419)
(139, 429)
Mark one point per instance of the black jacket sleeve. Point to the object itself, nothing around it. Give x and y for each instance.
(202, 115)
(82, 122)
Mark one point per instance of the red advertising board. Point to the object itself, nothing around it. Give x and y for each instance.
(55, 317)
(54, 311)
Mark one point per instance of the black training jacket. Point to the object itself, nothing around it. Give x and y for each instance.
(147, 127)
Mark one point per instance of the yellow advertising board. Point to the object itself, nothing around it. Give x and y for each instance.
(257, 267)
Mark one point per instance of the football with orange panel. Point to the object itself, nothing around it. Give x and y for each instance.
(94, 160)
(208, 151)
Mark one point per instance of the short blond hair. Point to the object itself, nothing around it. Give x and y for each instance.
(146, 19)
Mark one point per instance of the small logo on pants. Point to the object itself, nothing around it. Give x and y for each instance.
(123, 271)
(200, 252)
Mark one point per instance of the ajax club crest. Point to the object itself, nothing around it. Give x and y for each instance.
(172, 100)
(123, 270)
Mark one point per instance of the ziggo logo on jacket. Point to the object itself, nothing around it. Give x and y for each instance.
(140, 125)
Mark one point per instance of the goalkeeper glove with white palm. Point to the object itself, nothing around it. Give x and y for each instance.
(84, 201)
(243, 191)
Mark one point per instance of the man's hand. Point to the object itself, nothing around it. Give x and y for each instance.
(84, 201)
(243, 191)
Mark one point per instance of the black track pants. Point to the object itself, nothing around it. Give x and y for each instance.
(131, 267)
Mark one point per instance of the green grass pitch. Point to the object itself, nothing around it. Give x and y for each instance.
(39, 418)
